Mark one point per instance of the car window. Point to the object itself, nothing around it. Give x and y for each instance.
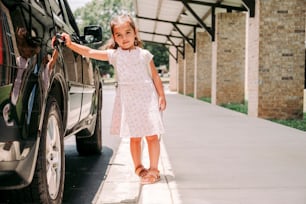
(29, 32)
(7, 54)
(20, 41)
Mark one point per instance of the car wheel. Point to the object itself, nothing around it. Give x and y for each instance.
(49, 175)
(92, 144)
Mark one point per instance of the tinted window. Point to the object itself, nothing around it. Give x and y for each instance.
(7, 54)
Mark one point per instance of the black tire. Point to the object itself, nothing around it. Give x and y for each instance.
(51, 159)
(93, 144)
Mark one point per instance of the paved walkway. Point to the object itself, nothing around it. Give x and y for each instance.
(212, 155)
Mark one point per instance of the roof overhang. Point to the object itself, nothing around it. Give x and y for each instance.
(174, 22)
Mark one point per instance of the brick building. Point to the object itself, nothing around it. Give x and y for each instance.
(236, 51)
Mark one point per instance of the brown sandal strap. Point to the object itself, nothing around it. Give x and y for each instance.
(151, 177)
(141, 171)
(154, 172)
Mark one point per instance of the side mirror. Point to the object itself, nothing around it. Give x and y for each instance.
(92, 34)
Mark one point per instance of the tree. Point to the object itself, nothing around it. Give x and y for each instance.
(100, 12)
(160, 52)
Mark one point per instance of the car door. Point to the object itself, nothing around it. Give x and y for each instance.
(72, 64)
(89, 89)
(75, 86)
(85, 75)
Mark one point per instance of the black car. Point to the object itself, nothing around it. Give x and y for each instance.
(46, 94)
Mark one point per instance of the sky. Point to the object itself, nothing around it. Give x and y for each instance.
(74, 4)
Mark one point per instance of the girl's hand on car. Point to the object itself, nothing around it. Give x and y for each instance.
(66, 38)
(60, 39)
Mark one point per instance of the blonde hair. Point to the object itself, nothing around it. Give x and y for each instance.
(111, 44)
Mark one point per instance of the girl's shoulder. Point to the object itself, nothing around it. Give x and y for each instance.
(111, 50)
(146, 54)
(145, 51)
(112, 55)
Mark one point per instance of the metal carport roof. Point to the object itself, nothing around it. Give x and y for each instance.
(173, 22)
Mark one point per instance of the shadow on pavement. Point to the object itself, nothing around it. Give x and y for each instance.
(84, 175)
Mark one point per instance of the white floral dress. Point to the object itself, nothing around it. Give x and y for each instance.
(136, 111)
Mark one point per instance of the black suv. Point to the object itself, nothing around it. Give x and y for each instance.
(46, 94)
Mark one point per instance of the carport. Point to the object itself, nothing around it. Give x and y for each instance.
(174, 22)
(232, 50)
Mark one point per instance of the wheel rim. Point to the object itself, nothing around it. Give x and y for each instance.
(53, 155)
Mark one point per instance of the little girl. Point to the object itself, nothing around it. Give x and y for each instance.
(140, 97)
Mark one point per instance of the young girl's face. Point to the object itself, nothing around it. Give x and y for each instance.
(124, 35)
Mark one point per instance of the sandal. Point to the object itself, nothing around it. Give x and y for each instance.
(151, 177)
(141, 171)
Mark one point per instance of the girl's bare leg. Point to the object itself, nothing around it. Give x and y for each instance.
(154, 151)
(152, 175)
(135, 148)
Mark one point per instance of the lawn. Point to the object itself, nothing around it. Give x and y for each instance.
(243, 108)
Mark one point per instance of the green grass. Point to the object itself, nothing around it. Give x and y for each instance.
(206, 99)
(298, 124)
(243, 108)
(190, 95)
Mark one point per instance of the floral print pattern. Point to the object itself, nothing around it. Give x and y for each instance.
(136, 110)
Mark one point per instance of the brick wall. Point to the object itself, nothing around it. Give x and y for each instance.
(214, 73)
(189, 69)
(180, 68)
(173, 70)
(203, 65)
(230, 58)
(280, 60)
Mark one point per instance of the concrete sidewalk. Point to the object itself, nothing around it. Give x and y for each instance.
(121, 185)
(218, 156)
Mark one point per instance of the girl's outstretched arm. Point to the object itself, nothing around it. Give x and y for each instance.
(84, 50)
(159, 87)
